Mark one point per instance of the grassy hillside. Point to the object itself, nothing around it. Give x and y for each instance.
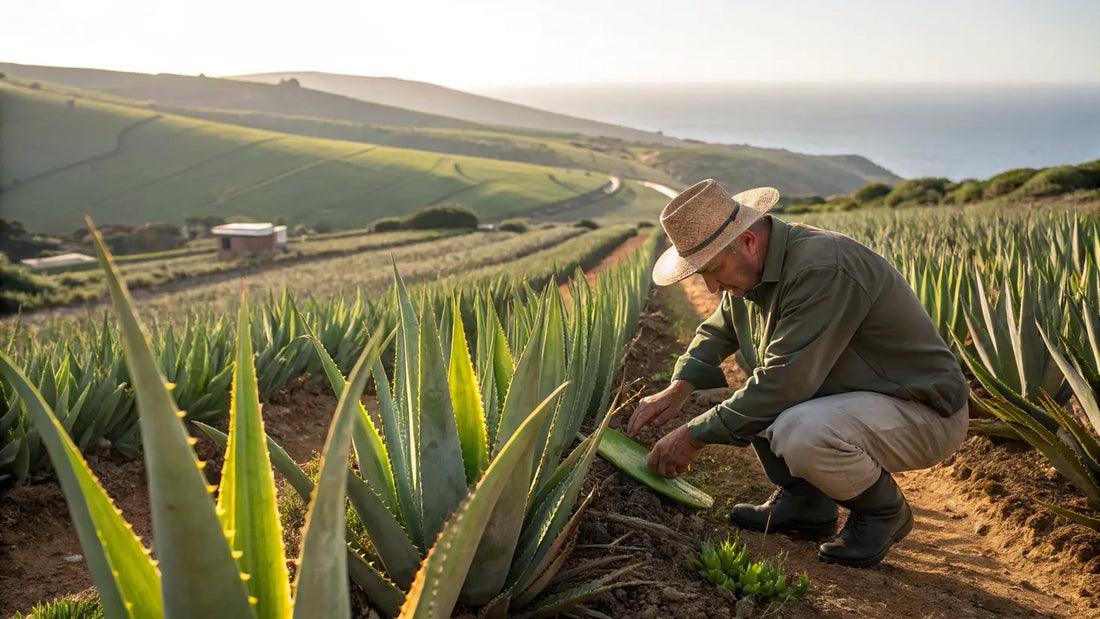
(64, 157)
(550, 151)
(302, 111)
(455, 103)
(739, 167)
(203, 92)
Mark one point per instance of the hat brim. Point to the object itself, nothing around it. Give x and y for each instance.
(671, 267)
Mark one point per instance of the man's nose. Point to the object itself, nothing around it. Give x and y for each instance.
(712, 284)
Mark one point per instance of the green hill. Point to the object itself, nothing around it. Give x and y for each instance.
(184, 91)
(435, 99)
(302, 111)
(66, 156)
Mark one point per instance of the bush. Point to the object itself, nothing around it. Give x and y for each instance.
(586, 223)
(388, 224)
(513, 225)
(917, 191)
(1007, 182)
(442, 216)
(644, 224)
(1052, 182)
(968, 191)
(871, 192)
(323, 227)
(1091, 173)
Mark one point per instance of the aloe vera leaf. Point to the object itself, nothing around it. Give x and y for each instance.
(466, 399)
(382, 593)
(442, 472)
(1087, 520)
(199, 577)
(371, 453)
(389, 538)
(555, 604)
(407, 397)
(540, 577)
(437, 585)
(630, 457)
(246, 499)
(108, 542)
(321, 584)
(408, 508)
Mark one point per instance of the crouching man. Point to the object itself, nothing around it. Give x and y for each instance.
(854, 380)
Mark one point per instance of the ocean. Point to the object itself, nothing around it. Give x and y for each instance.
(953, 131)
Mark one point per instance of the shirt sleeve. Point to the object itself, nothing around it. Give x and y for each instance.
(714, 341)
(819, 311)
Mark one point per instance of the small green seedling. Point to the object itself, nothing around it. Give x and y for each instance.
(729, 565)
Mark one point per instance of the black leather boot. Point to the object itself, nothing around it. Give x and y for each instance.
(797, 507)
(880, 518)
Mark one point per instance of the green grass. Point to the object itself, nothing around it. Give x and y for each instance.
(169, 168)
(547, 151)
(630, 204)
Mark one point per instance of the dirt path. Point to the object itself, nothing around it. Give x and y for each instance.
(963, 559)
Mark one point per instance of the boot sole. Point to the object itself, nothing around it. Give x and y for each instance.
(869, 561)
(802, 531)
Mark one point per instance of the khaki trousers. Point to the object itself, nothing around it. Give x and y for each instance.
(841, 443)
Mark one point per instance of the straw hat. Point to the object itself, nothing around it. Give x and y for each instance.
(702, 221)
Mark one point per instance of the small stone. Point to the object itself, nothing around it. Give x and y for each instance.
(963, 472)
(649, 612)
(744, 608)
(621, 595)
(673, 594)
(981, 529)
(1026, 584)
(74, 558)
(994, 488)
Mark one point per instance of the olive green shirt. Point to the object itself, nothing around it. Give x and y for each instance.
(837, 318)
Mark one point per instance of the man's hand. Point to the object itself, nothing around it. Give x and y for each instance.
(660, 407)
(674, 453)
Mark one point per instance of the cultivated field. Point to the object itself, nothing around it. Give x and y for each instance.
(1013, 290)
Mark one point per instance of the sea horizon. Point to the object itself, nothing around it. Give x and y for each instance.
(952, 130)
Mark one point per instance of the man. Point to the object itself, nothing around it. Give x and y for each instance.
(854, 381)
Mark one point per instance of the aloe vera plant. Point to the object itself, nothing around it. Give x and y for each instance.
(226, 560)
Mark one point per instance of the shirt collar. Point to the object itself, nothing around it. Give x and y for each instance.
(777, 251)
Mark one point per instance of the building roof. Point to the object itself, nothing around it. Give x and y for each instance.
(243, 230)
(56, 261)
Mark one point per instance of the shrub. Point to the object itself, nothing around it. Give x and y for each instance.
(323, 227)
(644, 224)
(1007, 182)
(968, 191)
(1052, 182)
(871, 192)
(586, 223)
(513, 225)
(442, 216)
(920, 191)
(388, 224)
(1091, 172)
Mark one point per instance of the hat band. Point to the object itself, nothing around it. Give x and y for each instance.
(710, 239)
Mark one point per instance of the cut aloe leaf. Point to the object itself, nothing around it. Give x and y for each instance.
(630, 457)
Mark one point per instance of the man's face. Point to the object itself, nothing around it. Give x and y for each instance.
(735, 273)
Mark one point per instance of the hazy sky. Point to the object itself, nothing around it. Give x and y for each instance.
(522, 42)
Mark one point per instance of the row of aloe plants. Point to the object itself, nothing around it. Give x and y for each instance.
(79, 363)
(461, 473)
(1017, 293)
